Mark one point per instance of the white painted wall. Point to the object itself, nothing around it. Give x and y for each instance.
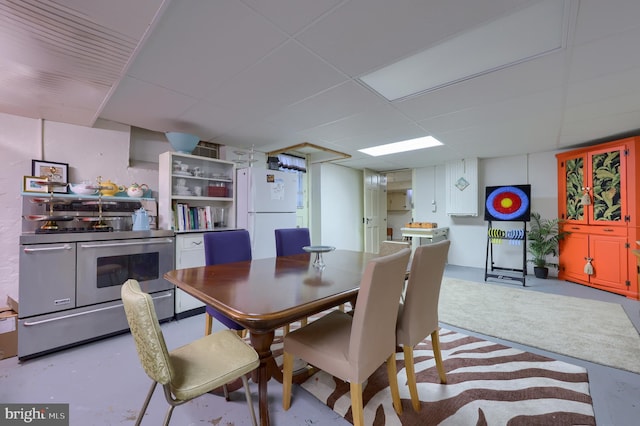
(336, 206)
(468, 234)
(19, 144)
(101, 150)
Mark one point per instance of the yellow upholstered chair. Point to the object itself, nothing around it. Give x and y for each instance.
(418, 313)
(190, 370)
(349, 347)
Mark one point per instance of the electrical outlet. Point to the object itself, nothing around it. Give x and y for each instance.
(434, 207)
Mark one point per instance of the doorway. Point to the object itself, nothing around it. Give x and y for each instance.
(399, 202)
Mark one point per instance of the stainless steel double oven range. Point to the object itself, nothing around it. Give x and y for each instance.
(70, 276)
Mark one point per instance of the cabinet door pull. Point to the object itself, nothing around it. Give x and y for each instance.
(608, 230)
(576, 228)
(35, 250)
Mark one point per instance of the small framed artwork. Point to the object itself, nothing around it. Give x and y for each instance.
(56, 172)
(30, 184)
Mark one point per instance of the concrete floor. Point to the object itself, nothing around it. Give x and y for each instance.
(105, 385)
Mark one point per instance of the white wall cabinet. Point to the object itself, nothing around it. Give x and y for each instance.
(398, 201)
(462, 187)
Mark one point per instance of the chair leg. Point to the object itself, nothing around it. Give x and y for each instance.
(285, 330)
(356, 404)
(167, 417)
(435, 343)
(287, 378)
(225, 390)
(304, 321)
(146, 403)
(247, 392)
(393, 382)
(208, 324)
(411, 377)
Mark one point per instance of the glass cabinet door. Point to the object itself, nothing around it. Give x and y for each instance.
(606, 171)
(574, 175)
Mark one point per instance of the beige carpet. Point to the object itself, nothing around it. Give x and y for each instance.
(594, 331)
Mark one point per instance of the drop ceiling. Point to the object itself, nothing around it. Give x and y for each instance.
(280, 73)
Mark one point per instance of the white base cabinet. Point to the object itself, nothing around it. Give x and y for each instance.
(189, 254)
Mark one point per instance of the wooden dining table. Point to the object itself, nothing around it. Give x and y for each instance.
(263, 295)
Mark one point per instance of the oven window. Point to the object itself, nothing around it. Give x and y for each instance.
(115, 270)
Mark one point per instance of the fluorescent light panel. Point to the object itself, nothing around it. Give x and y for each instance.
(403, 146)
(521, 36)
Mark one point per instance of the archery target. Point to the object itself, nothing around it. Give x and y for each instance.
(507, 203)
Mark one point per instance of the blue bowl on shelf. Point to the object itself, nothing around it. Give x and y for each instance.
(182, 142)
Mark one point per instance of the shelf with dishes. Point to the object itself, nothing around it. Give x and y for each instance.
(195, 193)
(208, 187)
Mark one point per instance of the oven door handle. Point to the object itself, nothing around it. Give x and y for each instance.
(93, 311)
(137, 243)
(34, 250)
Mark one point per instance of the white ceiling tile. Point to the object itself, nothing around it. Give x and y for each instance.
(344, 100)
(292, 15)
(268, 85)
(377, 125)
(603, 56)
(156, 108)
(363, 35)
(600, 19)
(199, 46)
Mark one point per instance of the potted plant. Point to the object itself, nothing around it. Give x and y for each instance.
(543, 237)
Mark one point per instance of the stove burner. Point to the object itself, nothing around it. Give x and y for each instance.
(72, 230)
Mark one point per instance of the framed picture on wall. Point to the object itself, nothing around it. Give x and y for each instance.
(30, 184)
(56, 172)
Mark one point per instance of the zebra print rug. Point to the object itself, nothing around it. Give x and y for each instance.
(487, 384)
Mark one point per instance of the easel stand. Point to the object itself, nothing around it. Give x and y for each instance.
(497, 236)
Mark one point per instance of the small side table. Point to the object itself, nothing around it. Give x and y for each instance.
(431, 235)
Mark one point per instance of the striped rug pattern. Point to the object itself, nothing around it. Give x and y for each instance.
(487, 384)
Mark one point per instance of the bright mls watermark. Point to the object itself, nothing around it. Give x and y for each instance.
(34, 414)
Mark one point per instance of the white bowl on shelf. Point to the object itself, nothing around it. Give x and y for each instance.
(83, 188)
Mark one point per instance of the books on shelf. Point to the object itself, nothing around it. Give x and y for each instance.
(187, 218)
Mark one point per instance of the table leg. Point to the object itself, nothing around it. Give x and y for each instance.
(261, 342)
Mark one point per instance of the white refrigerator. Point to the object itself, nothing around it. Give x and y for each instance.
(265, 201)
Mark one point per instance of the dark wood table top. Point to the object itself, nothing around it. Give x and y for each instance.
(264, 294)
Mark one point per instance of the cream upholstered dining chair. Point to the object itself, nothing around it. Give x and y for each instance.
(190, 370)
(353, 347)
(388, 247)
(418, 313)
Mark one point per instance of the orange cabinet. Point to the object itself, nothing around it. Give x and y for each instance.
(597, 201)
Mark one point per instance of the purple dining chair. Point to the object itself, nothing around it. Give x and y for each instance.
(291, 240)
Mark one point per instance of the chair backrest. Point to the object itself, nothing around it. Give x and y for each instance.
(291, 240)
(418, 315)
(145, 328)
(373, 331)
(389, 247)
(227, 246)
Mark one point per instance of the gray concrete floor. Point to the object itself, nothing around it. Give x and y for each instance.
(105, 385)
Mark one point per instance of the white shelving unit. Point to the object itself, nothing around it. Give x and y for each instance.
(216, 178)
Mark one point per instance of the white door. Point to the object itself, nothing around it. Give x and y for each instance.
(375, 208)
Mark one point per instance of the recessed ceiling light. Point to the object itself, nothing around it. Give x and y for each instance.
(408, 145)
(524, 35)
